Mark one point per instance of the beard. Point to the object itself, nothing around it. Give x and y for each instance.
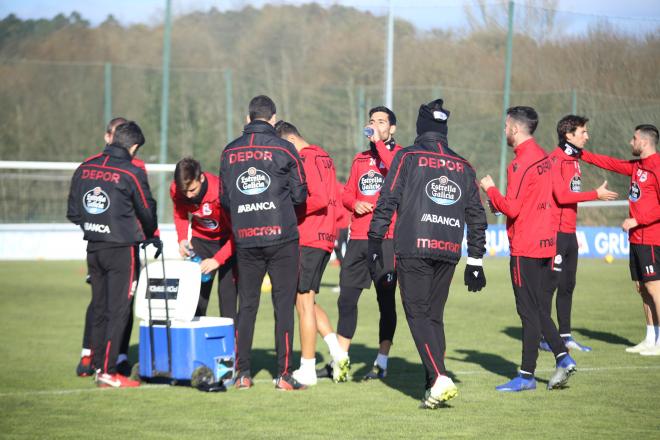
(636, 151)
(509, 140)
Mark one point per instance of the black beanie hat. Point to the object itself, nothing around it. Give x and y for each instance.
(432, 117)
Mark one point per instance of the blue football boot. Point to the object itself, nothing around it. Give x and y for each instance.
(518, 383)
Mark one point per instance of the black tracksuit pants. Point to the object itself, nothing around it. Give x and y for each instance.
(355, 276)
(89, 320)
(424, 285)
(113, 273)
(281, 264)
(226, 274)
(567, 248)
(89, 323)
(530, 278)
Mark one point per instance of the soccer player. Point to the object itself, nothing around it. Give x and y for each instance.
(361, 192)
(197, 204)
(567, 187)
(343, 221)
(111, 201)
(642, 225)
(262, 178)
(85, 367)
(316, 225)
(532, 228)
(435, 194)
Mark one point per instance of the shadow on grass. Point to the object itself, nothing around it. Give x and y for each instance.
(513, 332)
(260, 359)
(404, 376)
(608, 337)
(489, 361)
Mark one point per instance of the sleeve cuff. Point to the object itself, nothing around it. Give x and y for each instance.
(474, 261)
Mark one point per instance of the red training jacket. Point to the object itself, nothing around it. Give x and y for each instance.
(567, 187)
(529, 206)
(368, 173)
(343, 215)
(317, 215)
(644, 193)
(207, 219)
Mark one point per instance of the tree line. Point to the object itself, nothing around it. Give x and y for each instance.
(324, 68)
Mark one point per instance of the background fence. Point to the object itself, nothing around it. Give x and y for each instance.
(62, 79)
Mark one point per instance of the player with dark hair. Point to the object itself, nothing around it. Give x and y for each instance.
(111, 201)
(316, 224)
(262, 179)
(196, 199)
(567, 186)
(642, 225)
(361, 192)
(85, 367)
(435, 194)
(532, 229)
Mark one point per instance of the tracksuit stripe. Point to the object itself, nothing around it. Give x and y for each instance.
(132, 271)
(435, 367)
(107, 353)
(286, 354)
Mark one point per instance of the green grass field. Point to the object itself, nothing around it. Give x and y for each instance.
(613, 395)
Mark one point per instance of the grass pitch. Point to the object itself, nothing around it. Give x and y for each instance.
(613, 395)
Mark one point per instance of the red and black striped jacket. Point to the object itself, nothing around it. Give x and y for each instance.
(529, 205)
(110, 199)
(435, 195)
(317, 217)
(644, 193)
(368, 173)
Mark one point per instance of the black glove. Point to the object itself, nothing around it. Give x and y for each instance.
(157, 242)
(375, 254)
(475, 279)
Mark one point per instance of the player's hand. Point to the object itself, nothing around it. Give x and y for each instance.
(375, 254)
(208, 265)
(361, 207)
(604, 193)
(184, 248)
(486, 183)
(629, 223)
(158, 244)
(492, 207)
(376, 136)
(474, 277)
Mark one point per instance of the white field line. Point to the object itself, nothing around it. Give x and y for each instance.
(270, 381)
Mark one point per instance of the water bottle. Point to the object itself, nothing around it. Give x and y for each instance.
(197, 259)
(368, 131)
(225, 370)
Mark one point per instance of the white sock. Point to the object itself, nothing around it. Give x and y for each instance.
(333, 344)
(85, 352)
(307, 364)
(121, 358)
(657, 335)
(381, 361)
(650, 334)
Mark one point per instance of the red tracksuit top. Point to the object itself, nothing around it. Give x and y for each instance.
(529, 206)
(644, 193)
(343, 215)
(207, 219)
(368, 173)
(317, 216)
(567, 186)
